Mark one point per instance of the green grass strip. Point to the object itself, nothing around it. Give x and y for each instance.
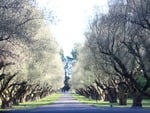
(82, 99)
(45, 101)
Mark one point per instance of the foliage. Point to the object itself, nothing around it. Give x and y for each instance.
(30, 63)
(115, 52)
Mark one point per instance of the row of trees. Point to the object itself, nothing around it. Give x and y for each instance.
(30, 64)
(114, 61)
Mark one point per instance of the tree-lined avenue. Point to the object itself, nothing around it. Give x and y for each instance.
(67, 104)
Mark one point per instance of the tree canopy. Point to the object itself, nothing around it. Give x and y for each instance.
(114, 61)
(30, 62)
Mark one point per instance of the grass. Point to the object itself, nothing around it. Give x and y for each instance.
(45, 101)
(52, 98)
(146, 102)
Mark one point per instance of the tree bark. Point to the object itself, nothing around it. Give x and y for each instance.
(122, 93)
(15, 101)
(123, 99)
(6, 104)
(112, 95)
(137, 100)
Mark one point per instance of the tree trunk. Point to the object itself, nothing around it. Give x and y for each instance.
(112, 95)
(122, 98)
(123, 93)
(123, 101)
(137, 100)
(106, 95)
(6, 104)
(15, 101)
(23, 97)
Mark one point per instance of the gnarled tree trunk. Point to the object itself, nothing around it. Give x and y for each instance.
(122, 93)
(122, 99)
(112, 95)
(137, 99)
(6, 104)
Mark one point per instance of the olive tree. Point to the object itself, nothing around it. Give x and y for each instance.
(28, 62)
(16, 23)
(119, 38)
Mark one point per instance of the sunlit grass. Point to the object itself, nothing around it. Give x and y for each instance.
(146, 102)
(45, 101)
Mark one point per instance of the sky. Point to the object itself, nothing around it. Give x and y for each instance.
(73, 18)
